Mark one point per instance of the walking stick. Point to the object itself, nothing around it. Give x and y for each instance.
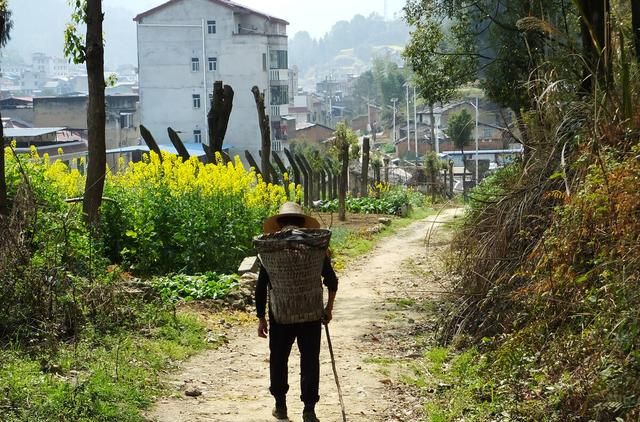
(335, 372)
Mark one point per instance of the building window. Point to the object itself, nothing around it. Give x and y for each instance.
(126, 120)
(487, 133)
(211, 27)
(264, 62)
(276, 145)
(279, 95)
(195, 64)
(279, 59)
(196, 100)
(197, 136)
(213, 64)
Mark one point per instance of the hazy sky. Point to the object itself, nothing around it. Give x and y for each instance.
(39, 24)
(315, 16)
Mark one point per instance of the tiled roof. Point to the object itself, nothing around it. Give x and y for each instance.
(238, 8)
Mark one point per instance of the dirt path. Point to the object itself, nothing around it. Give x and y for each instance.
(370, 319)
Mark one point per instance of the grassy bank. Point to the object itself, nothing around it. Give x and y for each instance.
(100, 377)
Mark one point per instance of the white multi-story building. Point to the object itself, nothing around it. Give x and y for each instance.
(186, 45)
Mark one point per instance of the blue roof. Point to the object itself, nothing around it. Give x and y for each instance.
(483, 151)
(194, 149)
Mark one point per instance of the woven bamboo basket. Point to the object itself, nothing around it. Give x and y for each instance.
(293, 259)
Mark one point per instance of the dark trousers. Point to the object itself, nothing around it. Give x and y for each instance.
(281, 338)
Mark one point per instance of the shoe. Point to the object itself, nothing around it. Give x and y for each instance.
(310, 417)
(280, 413)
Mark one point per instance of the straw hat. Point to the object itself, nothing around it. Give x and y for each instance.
(289, 209)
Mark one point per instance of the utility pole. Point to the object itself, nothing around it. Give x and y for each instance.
(394, 100)
(477, 181)
(408, 125)
(415, 122)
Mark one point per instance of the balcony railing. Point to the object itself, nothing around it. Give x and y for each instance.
(279, 75)
(278, 110)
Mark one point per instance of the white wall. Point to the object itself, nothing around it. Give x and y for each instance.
(167, 82)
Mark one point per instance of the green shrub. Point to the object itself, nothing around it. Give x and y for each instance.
(392, 201)
(175, 216)
(198, 287)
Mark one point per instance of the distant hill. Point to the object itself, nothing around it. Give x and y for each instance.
(348, 48)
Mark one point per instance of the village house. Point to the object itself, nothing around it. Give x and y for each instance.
(493, 130)
(184, 46)
(312, 133)
(122, 125)
(56, 143)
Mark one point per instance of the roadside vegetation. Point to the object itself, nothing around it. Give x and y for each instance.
(543, 319)
(82, 338)
(91, 319)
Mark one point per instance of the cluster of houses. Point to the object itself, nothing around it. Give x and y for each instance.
(183, 47)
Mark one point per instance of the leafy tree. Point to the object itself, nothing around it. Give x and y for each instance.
(439, 56)
(6, 24)
(90, 50)
(367, 88)
(459, 130)
(384, 81)
(502, 44)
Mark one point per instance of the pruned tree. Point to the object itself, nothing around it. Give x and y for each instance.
(150, 141)
(178, 144)
(6, 24)
(364, 182)
(265, 133)
(90, 50)
(343, 141)
(219, 113)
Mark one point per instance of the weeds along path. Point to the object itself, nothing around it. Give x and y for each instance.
(372, 317)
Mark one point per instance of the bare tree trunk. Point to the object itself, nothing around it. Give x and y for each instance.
(434, 182)
(177, 143)
(306, 184)
(635, 23)
(451, 177)
(344, 174)
(218, 116)
(4, 204)
(386, 169)
(96, 114)
(297, 179)
(364, 182)
(252, 162)
(265, 133)
(283, 170)
(464, 174)
(275, 178)
(150, 141)
(596, 41)
(310, 188)
(333, 194)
